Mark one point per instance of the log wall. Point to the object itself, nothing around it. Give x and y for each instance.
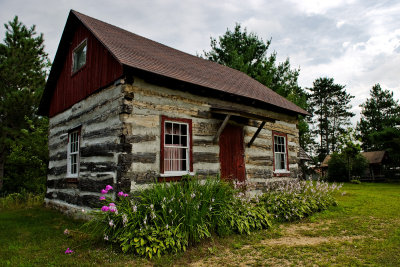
(100, 149)
(143, 126)
(120, 141)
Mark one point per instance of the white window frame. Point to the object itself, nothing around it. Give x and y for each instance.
(73, 156)
(81, 46)
(187, 149)
(285, 153)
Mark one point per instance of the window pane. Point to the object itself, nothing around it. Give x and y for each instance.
(175, 139)
(183, 165)
(184, 140)
(168, 128)
(184, 129)
(168, 139)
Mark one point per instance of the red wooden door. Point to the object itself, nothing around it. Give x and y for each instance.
(231, 153)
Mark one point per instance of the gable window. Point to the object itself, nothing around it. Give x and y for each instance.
(79, 56)
(281, 164)
(176, 146)
(73, 153)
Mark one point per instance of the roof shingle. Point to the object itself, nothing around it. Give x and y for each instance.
(141, 53)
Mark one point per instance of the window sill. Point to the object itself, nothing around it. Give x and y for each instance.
(71, 180)
(284, 173)
(175, 174)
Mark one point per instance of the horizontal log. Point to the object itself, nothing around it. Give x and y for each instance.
(57, 170)
(207, 172)
(104, 150)
(143, 157)
(91, 201)
(140, 138)
(141, 177)
(94, 185)
(59, 156)
(107, 132)
(203, 142)
(98, 166)
(205, 157)
(63, 183)
(259, 173)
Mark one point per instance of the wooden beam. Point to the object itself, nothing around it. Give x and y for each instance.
(256, 134)
(228, 110)
(221, 128)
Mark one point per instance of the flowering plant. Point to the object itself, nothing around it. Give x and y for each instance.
(294, 199)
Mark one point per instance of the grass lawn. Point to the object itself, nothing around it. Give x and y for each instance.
(364, 229)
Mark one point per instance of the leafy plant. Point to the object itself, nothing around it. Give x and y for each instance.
(169, 217)
(294, 199)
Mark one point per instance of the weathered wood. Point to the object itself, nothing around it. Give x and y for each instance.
(203, 142)
(230, 110)
(142, 157)
(105, 149)
(140, 138)
(57, 170)
(259, 173)
(231, 153)
(147, 177)
(256, 134)
(106, 132)
(98, 166)
(206, 157)
(207, 172)
(100, 69)
(94, 185)
(221, 128)
(59, 156)
(259, 160)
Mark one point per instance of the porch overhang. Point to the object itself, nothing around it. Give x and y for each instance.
(229, 111)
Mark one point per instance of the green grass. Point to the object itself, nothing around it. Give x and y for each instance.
(364, 229)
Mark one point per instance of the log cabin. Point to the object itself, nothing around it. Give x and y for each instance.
(128, 111)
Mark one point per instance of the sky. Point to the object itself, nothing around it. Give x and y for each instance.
(356, 42)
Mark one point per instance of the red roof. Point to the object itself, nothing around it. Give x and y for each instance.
(140, 53)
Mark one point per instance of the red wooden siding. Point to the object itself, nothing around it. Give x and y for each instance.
(231, 153)
(101, 69)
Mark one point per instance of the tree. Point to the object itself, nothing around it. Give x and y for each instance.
(248, 53)
(380, 114)
(330, 104)
(23, 70)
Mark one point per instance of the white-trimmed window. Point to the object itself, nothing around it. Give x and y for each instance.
(280, 152)
(176, 147)
(79, 56)
(73, 153)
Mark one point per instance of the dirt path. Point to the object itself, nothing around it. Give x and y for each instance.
(292, 235)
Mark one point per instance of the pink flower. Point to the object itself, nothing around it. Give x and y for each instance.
(109, 187)
(126, 195)
(113, 209)
(102, 198)
(66, 232)
(112, 205)
(120, 194)
(105, 208)
(103, 191)
(69, 251)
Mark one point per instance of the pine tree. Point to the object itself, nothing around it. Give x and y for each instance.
(331, 104)
(23, 67)
(379, 112)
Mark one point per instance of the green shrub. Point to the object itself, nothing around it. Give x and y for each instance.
(18, 200)
(337, 168)
(290, 200)
(168, 217)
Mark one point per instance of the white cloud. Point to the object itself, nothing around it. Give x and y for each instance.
(312, 7)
